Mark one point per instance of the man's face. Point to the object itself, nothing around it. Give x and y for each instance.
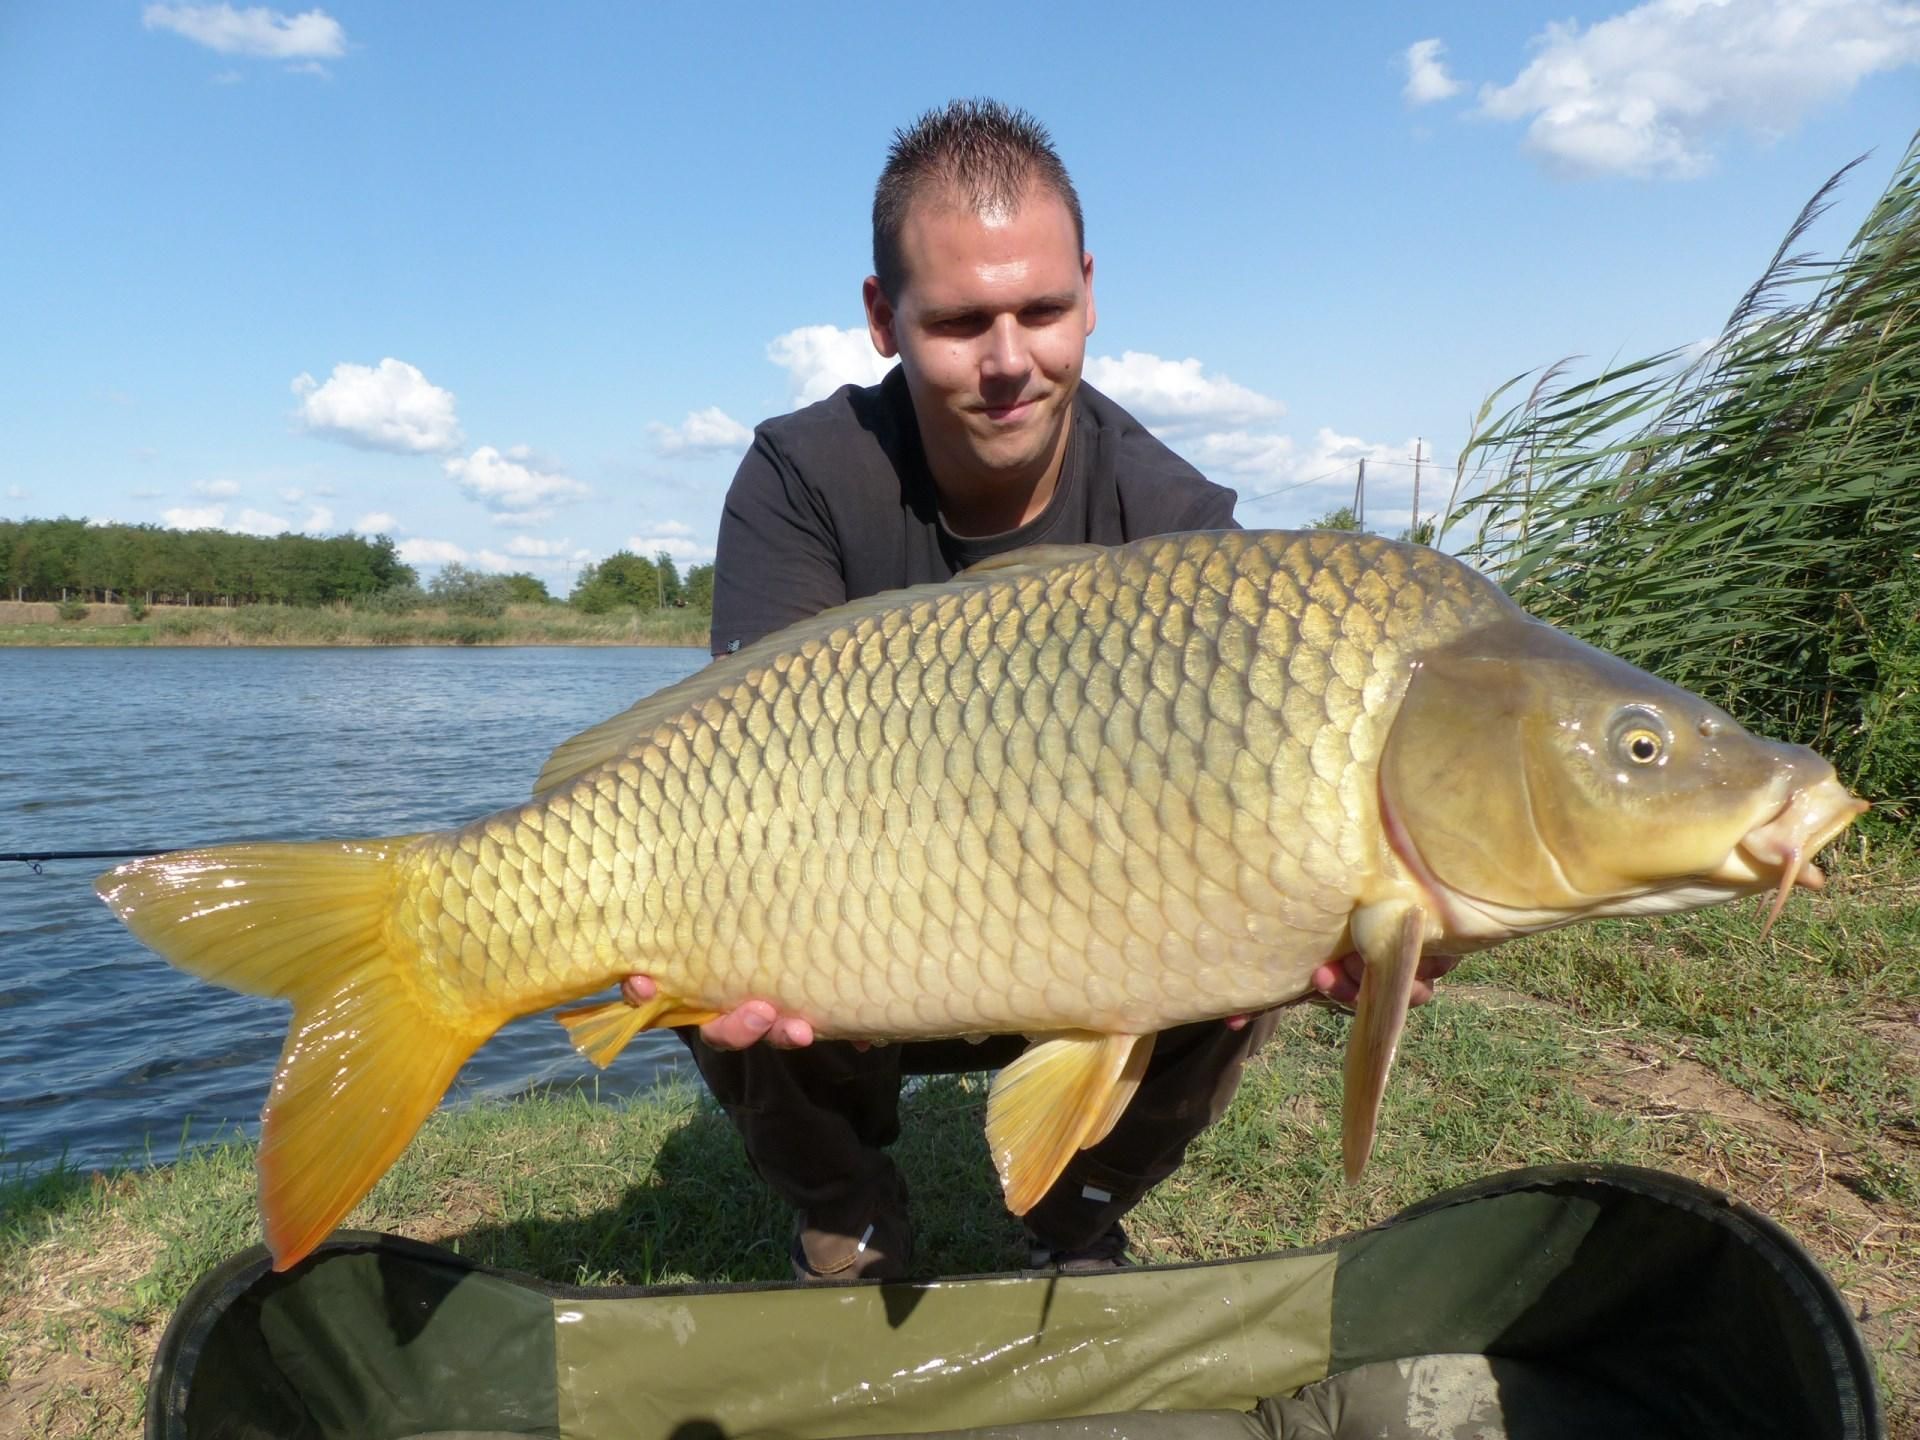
(991, 328)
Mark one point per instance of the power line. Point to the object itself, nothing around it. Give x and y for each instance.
(1294, 485)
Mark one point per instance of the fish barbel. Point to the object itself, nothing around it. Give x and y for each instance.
(1077, 792)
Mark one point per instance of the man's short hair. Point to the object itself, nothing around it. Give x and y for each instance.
(985, 153)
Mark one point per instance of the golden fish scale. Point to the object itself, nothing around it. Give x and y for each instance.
(1114, 794)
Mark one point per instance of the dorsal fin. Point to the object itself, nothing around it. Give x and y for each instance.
(1027, 560)
(611, 738)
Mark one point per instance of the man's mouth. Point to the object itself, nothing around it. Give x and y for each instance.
(1017, 410)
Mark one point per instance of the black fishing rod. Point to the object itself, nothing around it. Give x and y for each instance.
(33, 859)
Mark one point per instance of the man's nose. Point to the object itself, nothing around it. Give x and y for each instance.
(1006, 354)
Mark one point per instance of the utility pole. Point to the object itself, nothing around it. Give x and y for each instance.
(1413, 530)
(1360, 497)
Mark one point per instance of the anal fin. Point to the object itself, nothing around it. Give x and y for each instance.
(600, 1032)
(1060, 1096)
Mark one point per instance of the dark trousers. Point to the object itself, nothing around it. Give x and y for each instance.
(814, 1121)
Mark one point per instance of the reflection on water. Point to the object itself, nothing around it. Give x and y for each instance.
(109, 1055)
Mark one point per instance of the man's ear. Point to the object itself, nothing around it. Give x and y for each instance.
(1086, 275)
(879, 317)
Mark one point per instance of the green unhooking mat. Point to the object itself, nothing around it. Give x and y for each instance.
(1571, 1303)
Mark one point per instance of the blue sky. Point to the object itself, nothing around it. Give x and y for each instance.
(512, 283)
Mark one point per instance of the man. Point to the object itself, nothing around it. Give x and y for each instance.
(983, 439)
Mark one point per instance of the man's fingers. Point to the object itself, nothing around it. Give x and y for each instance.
(1432, 967)
(790, 1032)
(740, 1028)
(747, 1024)
(1339, 980)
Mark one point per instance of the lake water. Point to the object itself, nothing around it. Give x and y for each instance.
(107, 1054)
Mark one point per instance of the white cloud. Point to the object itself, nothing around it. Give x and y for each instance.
(554, 557)
(1282, 483)
(260, 522)
(819, 359)
(1263, 454)
(674, 540)
(376, 522)
(522, 519)
(216, 489)
(1650, 91)
(16, 492)
(703, 430)
(257, 31)
(195, 517)
(430, 552)
(249, 522)
(389, 406)
(1333, 458)
(1177, 392)
(1427, 77)
(509, 484)
(293, 494)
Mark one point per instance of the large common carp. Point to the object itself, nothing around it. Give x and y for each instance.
(1077, 792)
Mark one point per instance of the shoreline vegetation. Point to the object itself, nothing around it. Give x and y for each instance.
(1784, 1071)
(74, 582)
(38, 624)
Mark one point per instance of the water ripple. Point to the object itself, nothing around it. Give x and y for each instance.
(110, 1056)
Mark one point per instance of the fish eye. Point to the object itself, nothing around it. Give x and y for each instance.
(1640, 737)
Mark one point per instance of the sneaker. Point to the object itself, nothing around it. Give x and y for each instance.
(1103, 1252)
(883, 1250)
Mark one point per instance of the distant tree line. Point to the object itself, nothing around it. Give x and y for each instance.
(66, 559)
(625, 579)
(74, 560)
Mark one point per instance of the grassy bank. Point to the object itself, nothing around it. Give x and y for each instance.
(1785, 1071)
(31, 623)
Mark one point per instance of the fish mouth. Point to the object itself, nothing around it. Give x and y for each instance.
(1779, 851)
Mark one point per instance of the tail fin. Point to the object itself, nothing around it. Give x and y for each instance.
(365, 1061)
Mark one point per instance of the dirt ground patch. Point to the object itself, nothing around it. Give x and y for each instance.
(1812, 1182)
(72, 1345)
(1818, 1184)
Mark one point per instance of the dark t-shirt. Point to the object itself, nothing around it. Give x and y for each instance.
(835, 501)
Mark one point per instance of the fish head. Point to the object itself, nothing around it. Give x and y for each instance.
(1531, 779)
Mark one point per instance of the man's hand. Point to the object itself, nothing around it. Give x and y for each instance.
(748, 1024)
(1340, 980)
(756, 1020)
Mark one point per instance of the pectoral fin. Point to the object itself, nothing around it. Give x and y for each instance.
(601, 1032)
(1389, 940)
(1059, 1097)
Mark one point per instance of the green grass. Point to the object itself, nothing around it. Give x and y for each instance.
(1800, 1051)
